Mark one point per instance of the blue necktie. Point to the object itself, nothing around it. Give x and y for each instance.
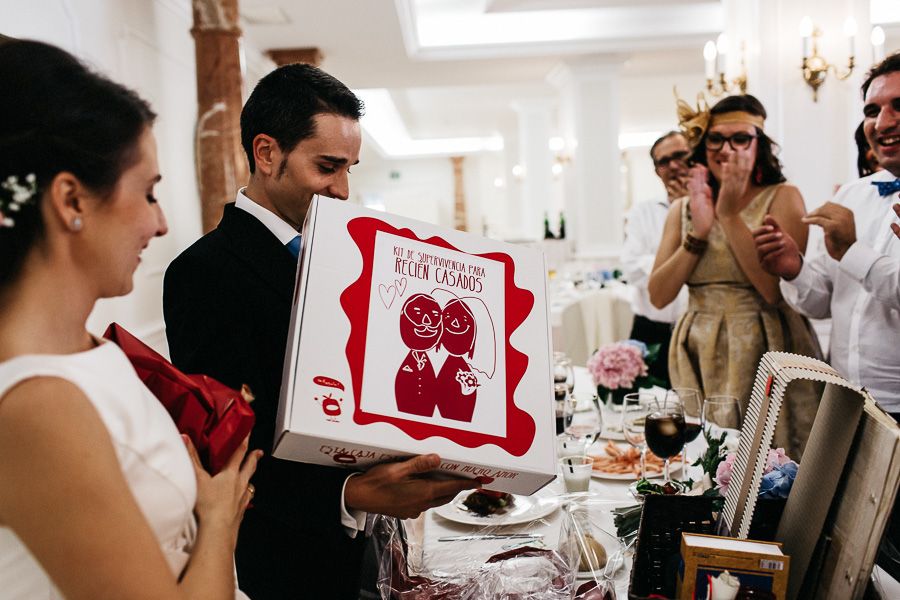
(293, 246)
(886, 188)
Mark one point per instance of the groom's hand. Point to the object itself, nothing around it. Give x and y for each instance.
(399, 490)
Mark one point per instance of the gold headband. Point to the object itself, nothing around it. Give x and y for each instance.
(695, 121)
(737, 116)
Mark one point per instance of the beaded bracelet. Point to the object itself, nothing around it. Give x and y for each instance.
(694, 245)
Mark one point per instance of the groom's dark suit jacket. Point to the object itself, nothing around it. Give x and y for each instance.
(227, 305)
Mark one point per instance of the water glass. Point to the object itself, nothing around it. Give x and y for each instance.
(586, 423)
(635, 408)
(722, 413)
(576, 472)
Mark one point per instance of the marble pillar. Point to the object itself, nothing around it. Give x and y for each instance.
(459, 194)
(589, 121)
(535, 121)
(221, 162)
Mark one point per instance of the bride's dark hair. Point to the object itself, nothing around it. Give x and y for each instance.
(57, 115)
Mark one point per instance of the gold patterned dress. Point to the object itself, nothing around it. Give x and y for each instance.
(717, 344)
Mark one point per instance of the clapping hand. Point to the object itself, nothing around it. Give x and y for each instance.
(399, 490)
(702, 211)
(735, 179)
(677, 187)
(778, 253)
(839, 226)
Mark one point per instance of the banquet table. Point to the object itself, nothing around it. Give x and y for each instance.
(429, 556)
(582, 320)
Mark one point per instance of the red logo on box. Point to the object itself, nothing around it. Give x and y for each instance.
(425, 324)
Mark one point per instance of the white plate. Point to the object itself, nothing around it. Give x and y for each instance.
(523, 510)
(598, 450)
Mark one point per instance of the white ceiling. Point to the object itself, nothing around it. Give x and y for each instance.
(454, 67)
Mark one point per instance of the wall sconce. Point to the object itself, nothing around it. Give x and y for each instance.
(715, 57)
(815, 67)
(561, 158)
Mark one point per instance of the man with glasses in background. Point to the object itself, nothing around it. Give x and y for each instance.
(643, 230)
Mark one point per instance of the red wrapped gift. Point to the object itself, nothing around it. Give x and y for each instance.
(215, 417)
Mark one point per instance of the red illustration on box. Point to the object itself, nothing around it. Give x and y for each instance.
(440, 320)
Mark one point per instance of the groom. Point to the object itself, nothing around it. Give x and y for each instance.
(227, 303)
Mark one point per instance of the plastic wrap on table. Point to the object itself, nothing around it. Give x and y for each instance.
(520, 570)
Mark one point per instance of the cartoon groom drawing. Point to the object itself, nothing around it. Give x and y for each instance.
(420, 330)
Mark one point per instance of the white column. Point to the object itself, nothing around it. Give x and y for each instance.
(589, 119)
(816, 138)
(535, 119)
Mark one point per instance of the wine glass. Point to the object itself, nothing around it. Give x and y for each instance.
(564, 407)
(563, 372)
(693, 415)
(586, 422)
(664, 431)
(722, 413)
(635, 408)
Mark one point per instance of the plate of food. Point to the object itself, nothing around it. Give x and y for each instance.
(490, 508)
(623, 462)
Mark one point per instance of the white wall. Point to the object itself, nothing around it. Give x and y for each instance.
(147, 46)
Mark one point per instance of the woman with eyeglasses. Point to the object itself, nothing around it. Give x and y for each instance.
(735, 312)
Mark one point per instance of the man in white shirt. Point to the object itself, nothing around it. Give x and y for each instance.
(857, 282)
(643, 230)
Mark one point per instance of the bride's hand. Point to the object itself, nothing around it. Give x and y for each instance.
(702, 211)
(222, 498)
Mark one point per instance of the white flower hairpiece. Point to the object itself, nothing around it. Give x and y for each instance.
(22, 194)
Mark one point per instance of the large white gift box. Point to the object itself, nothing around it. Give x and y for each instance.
(407, 338)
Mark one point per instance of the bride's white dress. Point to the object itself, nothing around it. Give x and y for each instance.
(151, 453)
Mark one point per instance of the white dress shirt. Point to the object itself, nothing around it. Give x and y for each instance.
(643, 232)
(352, 520)
(861, 293)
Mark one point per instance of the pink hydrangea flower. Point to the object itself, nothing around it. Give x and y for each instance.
(776, 458)
(723, 473)
(617, 365)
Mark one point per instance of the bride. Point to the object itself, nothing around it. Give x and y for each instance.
(99, 496)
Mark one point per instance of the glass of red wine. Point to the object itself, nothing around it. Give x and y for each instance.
(664, 430)
(692, 404)
(565, 407)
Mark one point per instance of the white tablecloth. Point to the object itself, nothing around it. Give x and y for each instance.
(584, 320)
(429, 556)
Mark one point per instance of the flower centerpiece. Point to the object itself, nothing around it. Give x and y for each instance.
(621, 367)
(778, 478)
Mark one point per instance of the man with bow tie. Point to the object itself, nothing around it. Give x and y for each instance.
(857, 281)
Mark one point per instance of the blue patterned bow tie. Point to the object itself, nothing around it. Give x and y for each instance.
(886, 188)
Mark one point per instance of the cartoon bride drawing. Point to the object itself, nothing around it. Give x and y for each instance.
(420, 330)
(458, 381)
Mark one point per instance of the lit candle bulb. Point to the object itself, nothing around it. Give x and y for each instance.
(878, 43)
(722, 51)
(806, 29)
(850, 32)
(709, 57)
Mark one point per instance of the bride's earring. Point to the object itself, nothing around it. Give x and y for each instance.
(77, 223)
